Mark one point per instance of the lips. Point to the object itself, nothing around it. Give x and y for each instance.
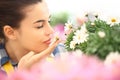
(47, 41)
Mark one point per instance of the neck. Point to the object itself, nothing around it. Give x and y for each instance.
(14, 51)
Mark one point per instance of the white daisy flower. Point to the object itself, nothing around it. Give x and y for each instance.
(101, 34)
(55, 37)
(92, 16)
(68, 26)
(80, 36)
(83, 28)
(93, 24)
(72, 44)
(112, 58)
(78, 53)
(113, 21)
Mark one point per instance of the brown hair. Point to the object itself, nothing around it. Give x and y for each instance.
(11, 13)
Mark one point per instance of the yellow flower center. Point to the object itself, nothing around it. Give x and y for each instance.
(113, 20)
(70, 26)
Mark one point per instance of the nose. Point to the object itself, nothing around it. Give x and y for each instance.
(49, 29)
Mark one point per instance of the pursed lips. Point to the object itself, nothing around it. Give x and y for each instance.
(47, 41)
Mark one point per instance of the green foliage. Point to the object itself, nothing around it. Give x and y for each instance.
(59, 18)
(97, 45)
(69, 39)
(103, 46)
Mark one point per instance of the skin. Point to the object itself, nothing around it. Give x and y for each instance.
(30, 43)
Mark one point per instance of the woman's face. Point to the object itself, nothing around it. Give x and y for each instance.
(35, 31)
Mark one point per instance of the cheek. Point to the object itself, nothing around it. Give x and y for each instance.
(32, 34)
(33, 38)
(33, 41)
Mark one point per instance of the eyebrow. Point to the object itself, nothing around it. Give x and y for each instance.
(40, 20)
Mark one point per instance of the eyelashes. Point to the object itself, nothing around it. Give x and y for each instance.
(39, 27)
(42, 25)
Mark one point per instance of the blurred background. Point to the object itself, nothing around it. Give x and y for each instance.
(106, 7)
(65, 8)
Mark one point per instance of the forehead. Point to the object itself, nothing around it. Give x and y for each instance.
(36, 11)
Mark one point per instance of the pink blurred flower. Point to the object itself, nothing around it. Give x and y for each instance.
(81, 20)
(71, 67)
(21, 75)
(60, 30)
(2, 76)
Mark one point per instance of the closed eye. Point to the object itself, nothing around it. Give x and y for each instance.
(39, 27)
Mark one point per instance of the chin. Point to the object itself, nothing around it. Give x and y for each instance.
(41, 49)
